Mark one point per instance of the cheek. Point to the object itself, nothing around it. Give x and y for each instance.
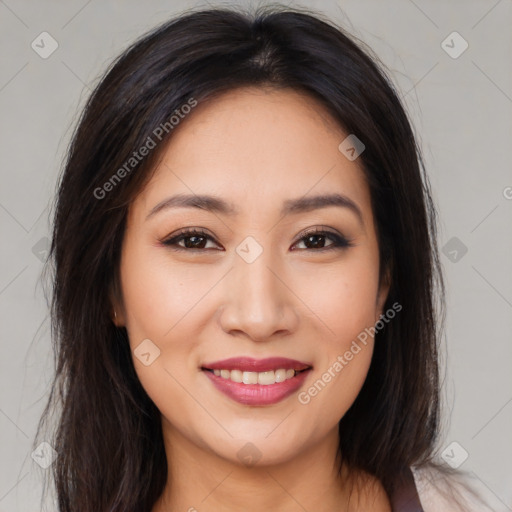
(343, 296)
(159, 294)
(157, 299)
(344, 299)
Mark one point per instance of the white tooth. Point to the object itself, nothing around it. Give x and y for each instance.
(250, 378)
(280, 375)
(263, 378)
(266, 378)
(236, 375)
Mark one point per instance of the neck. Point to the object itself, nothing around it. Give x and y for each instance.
(201, 481)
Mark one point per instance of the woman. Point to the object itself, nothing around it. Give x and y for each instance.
(246, 280)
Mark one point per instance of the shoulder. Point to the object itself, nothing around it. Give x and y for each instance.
(444, 490)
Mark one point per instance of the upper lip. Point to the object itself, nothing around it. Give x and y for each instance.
(248, 364)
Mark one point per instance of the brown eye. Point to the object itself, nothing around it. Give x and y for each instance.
(193, 239)
(316, 240)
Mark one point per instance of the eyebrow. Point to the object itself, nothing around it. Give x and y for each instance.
(290, 206)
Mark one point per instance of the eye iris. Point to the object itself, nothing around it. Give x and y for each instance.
(193, 245)
(310, 237)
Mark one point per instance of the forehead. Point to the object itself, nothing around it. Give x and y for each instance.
(253, 144)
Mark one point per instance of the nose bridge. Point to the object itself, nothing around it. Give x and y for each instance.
(258, 302)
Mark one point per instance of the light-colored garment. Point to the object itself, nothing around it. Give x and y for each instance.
(440, 492)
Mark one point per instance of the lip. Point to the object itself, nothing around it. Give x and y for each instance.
(257, 394)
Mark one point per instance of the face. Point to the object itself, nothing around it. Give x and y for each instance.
(249, 327)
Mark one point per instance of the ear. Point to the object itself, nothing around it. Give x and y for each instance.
(382, 294)
(116, 310)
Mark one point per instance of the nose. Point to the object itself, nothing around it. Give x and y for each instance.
(258, 301)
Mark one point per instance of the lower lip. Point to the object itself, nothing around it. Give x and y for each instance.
(257, 394)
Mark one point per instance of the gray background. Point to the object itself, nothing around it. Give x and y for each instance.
(462, 112)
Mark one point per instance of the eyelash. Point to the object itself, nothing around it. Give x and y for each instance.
(339, 242)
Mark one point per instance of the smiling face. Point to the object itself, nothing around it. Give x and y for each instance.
(266, 271)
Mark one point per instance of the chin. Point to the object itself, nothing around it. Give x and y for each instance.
(259, 449)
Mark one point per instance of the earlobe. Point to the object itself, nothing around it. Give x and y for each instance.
(117, 317)
(385, 285)
(116, 311)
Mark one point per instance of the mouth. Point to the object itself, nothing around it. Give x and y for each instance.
(257, 381)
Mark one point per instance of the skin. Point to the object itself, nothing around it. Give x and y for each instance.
(255, 148)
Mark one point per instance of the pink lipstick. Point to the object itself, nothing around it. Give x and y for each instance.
(257, 382)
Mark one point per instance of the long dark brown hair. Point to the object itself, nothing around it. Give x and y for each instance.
(108, 435)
